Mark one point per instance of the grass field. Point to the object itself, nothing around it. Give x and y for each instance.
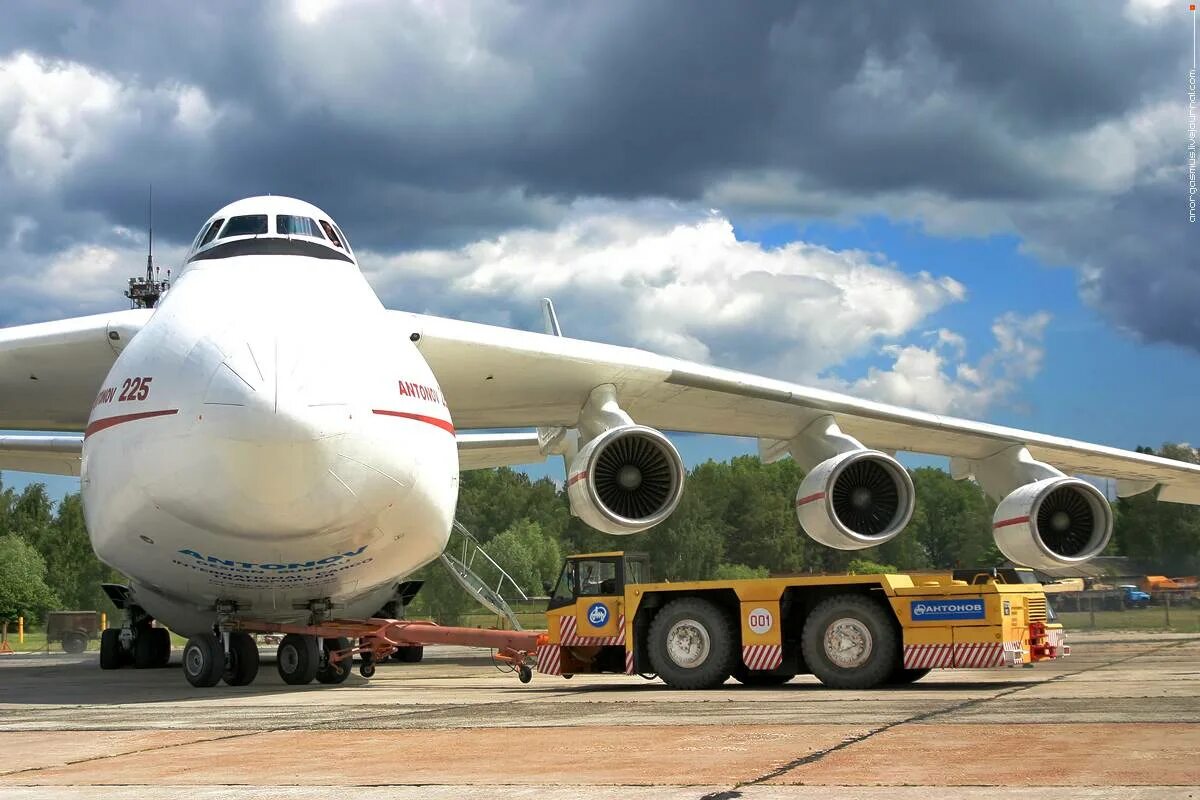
(36, 640)
(1183, 620)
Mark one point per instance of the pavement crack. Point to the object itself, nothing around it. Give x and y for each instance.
(137, 752)
(818, 755)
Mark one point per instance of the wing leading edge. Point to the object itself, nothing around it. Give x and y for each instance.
(496, 377)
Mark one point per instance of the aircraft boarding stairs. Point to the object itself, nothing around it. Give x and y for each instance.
(474, 584)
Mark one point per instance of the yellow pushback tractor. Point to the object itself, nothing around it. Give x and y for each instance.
(850, 631)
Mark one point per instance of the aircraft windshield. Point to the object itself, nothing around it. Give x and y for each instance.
(289, 225)
(246, 225)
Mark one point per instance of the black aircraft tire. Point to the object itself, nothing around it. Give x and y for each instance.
(162, 646)
(242, 665)
(110, 649)
(328, 673)
(862, 631)
(203, 661)
(297, 659)
(145, 649)
(410, 654)
(705, 646)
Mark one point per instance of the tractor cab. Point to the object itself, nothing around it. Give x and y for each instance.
(598, 575)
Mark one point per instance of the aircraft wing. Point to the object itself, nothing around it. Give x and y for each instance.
(496, 377)
(50, 371)
(484, 450)
(51, 455)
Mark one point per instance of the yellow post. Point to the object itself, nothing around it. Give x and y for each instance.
(21, 630)
(103, 620)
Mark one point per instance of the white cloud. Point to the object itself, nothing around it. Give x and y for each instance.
(54, 115)
(678, 281)
(935, 378)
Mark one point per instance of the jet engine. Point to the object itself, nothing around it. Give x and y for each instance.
(856, 499)
(1053, 522)
(626, 480)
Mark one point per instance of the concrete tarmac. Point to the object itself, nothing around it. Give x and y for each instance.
(1119, 718)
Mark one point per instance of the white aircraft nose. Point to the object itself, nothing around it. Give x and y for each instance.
(269, 462)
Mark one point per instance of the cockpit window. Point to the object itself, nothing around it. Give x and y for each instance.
(289, 225)
(246, 225)
(329, 231)
(211, 233)
(342, 236)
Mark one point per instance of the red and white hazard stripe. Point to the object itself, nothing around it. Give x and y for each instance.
(1057, 638)
(628, 662)
(568, 634)
(549, 659)
(978, 654)
(928, 656)
(762, 656)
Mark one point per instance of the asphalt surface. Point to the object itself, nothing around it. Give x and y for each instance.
(1119, 718)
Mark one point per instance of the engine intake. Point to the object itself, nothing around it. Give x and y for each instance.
(855, 500)
(626, 480)
(1052, 523)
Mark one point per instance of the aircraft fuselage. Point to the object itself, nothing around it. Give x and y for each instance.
(269, 438)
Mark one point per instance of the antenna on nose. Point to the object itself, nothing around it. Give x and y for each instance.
(146, 292)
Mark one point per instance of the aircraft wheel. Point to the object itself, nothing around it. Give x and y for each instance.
(297, 659)
(242, 664)
(74, 642)
(203, 660)
(410, 654)
(110, 648)
(162, 646)
(329, 672)
(850, 642)
(146, 649)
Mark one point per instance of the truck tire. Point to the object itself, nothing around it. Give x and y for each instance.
(748, 677)
(850, 642)
(692, 644)
(110, 648)
(903, 677)
(74, 642)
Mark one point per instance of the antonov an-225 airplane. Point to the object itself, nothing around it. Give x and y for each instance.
(271, 442)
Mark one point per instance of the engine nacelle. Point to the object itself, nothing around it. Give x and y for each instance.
(626, 480)
(1053, 522)
(856, 499)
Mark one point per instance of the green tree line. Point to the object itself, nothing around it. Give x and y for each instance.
(736, 519)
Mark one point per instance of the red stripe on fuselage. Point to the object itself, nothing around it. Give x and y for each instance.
(444, 424)
(1004, 523)
(107, 422)
(577, 477)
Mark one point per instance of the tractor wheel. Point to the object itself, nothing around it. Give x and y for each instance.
(74, 642)
(850, 642)
(692, 644)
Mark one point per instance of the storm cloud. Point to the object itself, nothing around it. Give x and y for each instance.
(435, 126)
